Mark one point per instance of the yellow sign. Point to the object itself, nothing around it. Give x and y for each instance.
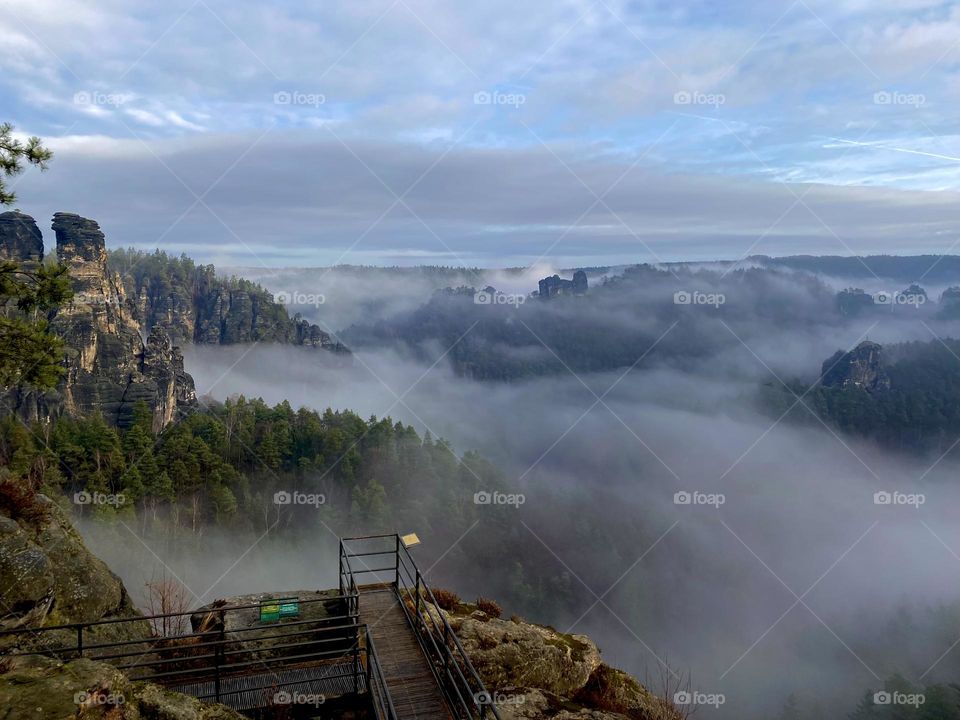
(410, 540)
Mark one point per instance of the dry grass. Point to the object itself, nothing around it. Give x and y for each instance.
(490, 607)
(446, 599)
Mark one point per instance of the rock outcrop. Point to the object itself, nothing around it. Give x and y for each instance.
(49, 577)
(555, 285)
(109, 366)
(861, 367)
(22, 241)
(193, 305)
(535, 672)
(40, 687)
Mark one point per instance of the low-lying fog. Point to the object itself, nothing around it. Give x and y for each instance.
(797, 582)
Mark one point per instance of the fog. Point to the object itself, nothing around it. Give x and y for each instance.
(794, 584)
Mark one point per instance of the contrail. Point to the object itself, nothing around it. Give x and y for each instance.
(897, 149)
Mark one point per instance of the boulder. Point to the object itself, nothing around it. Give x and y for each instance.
(49, 577)
(39, 687)
(512, 654)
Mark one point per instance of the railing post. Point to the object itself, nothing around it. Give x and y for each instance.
(79, 640)
(417, 590)
(396, 561)
(356, 665)
(217, 659)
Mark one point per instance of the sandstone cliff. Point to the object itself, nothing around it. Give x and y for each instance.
(861, 367)
(109, 366)
(194, 305)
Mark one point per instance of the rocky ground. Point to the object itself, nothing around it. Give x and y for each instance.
(48, 577)
(535, 672)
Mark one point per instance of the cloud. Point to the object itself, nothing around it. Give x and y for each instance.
(324, 198)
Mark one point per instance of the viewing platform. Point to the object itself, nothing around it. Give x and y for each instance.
(377, 645)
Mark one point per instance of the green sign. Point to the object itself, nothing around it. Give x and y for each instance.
(289, 608)
(276, 609)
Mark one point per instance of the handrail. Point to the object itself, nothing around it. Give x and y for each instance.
(160, 616)
(376, 683)
(451, 666)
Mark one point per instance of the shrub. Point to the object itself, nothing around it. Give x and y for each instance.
(19, 500)
(446, 599)
(490, 607)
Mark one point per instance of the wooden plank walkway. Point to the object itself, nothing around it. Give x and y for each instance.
(412, 685)
(257, 690)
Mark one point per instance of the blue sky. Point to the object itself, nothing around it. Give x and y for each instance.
(496, 133)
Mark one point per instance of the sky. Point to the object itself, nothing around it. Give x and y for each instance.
(491, 134)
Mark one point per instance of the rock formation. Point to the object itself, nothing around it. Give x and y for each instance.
(109, 366)
(39, 687)
(555, 285)
(49, 577)
(22, 241)
(194, 305)
(534, 672)
(862, 367)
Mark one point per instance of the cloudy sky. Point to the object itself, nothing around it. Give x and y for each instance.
(497, 133)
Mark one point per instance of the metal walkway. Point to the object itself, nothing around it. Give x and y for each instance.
(413, 686)
(379, 645)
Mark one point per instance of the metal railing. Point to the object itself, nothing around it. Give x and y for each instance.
(214, 654)
(458, 679)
